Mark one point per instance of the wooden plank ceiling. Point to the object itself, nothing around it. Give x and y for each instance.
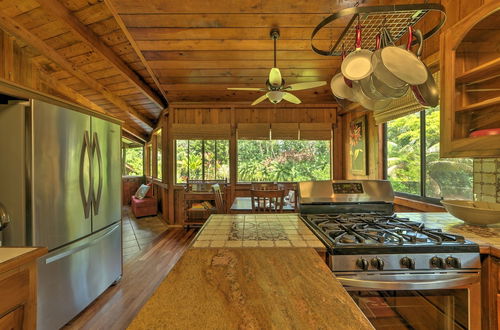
(129, 57)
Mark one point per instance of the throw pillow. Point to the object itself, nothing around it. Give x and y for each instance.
(142, 191)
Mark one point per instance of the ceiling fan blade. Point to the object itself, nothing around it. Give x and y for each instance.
(291, 98)
(275, 77)
(305, 85)
(260, 99)
(246, 89)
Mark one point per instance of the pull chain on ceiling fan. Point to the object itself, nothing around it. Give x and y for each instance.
(275, 84)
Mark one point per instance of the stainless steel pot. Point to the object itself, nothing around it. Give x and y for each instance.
(357, 65)
(396, 66)
(427, 93)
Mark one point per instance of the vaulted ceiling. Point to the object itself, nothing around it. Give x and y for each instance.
(132, 57)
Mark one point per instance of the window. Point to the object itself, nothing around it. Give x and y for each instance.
(413, 163)
(158, 155)
(149, 154)
(202, 160)
(283, 160)
(133, 158)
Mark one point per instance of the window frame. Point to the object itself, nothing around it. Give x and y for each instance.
(202, 158)
(423, 164)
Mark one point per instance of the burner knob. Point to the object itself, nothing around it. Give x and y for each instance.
(438, 262)
(407, 263)
(378, 263)
(362, 263)
(453, 262)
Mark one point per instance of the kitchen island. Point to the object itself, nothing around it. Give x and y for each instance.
(251, 272)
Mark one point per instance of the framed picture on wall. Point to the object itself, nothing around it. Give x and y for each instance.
(357, 142)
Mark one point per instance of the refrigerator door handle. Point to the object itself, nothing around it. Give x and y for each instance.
(85, 197)
(97, 197)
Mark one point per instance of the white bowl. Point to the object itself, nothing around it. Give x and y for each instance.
(477, 213)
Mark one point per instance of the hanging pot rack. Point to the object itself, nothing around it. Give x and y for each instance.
(395, 18)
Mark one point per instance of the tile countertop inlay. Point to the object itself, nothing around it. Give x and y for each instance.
(256, 230)
(485, 236)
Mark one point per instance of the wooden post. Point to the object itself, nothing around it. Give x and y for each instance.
(170, 167)
(233, 160)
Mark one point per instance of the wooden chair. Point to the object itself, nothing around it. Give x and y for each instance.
(264, 201)
(264, 186)
(219, 199)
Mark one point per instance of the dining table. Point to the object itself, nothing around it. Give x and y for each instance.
(244, 205)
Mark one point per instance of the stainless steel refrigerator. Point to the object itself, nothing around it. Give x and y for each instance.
(60, 181)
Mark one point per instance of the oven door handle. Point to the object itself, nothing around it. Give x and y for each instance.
(431, 284)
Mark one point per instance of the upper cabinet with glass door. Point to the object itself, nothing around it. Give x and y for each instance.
(470, 85)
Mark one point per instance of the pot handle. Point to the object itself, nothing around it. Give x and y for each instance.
(420, 39)
(418, 36)
(377, 41)
(358, 37)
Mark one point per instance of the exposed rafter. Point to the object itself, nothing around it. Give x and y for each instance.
(11, 26)
(136, 48)
(74, 96)
(54, 7)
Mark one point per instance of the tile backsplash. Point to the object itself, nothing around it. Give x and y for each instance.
(487, 179)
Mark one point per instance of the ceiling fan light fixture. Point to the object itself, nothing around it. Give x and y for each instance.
(275, 96)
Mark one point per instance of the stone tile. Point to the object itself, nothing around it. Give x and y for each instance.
(489, 167)
(217, 244)
(233, 244)
(489, 189)
(246, 243)
(201, 244)
(299, 243)
(266, 243)
(282, 243)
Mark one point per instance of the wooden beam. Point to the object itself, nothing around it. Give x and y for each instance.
(11, 26)
(82, 100)
(136, 48)
(54, 7)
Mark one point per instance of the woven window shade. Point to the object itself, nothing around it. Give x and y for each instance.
(315, 131)
(201, 131)
(289, 131)
(253, 131)
(401, 107)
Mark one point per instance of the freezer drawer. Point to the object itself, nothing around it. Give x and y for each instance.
(70, 278)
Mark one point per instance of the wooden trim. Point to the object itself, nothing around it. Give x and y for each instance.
(56, 8)
(11, 26)
(418, 205)
(136, 48)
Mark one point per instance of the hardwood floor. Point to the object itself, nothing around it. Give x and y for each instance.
(116, 307)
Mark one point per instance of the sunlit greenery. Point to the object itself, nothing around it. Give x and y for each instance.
(133, 161)
(283, 160)
(448, 178)
(158, 156)
(202, 160)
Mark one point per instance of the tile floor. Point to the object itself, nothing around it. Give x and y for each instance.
(138, 233)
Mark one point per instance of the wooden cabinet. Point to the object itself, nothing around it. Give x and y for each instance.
(18, 287)
(470, 84)
(490, 292)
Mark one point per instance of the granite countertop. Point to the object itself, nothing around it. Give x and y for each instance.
(252, 288)
(256, 230)
(488, 237)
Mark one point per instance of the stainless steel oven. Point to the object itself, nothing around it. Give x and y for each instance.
(402, 274)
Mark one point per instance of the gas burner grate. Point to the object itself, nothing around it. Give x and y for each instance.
(378, 229)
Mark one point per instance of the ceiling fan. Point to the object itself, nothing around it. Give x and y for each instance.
(275, 84)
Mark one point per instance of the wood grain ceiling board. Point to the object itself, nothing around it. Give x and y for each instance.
(55, 33)
(198, 48)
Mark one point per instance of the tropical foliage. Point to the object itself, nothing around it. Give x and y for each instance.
(133, 161)
(283, 160)
(447, 178)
